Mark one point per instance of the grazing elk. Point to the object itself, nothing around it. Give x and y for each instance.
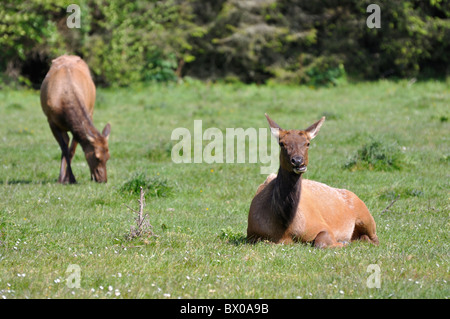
(67, 99)
(288, 208)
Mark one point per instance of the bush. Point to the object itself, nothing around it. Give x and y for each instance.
(377, 156)
(156, 186)
(325, 72)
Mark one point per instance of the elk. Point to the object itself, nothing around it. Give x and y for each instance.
(67, 99)
(288, 208)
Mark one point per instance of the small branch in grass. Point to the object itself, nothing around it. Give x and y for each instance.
(390, 204)
(131, 208)
(143, 227)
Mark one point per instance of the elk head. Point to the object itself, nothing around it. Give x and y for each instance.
(294, 145)
(97, 154)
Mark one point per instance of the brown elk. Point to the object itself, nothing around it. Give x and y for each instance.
(288, 208)
(67, 99)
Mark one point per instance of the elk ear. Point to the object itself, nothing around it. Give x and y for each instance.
(314, 129)
(274, 127)
(106, 131)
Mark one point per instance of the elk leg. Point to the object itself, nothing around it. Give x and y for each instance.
(63, 140)
(324, 239)
(365, 230)
(72, 149)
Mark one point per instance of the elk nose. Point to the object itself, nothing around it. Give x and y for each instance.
(297, 160)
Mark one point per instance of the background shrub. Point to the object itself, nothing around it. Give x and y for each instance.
(154, 186)
(378, 156)
(294, 41)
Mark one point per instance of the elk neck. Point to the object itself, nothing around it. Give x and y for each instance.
(81, 124)
(286, 195)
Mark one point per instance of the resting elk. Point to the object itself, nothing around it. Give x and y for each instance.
(67, 99)
(288, 208)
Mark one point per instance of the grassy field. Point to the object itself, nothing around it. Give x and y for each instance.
(382, 140)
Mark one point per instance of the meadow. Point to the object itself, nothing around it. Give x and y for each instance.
(386, 141)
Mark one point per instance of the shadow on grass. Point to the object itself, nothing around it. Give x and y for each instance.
(27, 181)
(238, 241)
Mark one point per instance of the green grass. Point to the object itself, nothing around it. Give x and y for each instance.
(200, 211)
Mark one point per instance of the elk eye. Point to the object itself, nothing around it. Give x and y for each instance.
(281, 144)
(307, 144)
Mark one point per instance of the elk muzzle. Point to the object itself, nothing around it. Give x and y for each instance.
(99, 175)
(298, 164)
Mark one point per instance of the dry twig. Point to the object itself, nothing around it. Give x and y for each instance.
(390, 204)
(143, 227)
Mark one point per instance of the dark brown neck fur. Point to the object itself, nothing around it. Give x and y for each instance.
(286, 195)
(81, 123)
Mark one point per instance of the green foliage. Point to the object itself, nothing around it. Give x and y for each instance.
(160, 68)
(133, 42)
(302, 42)
(378, 156)
(231, 236)
(123, 42)
(325, 72)
(155, 186)
(286, 41)
(22, 28)
(410, 41)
